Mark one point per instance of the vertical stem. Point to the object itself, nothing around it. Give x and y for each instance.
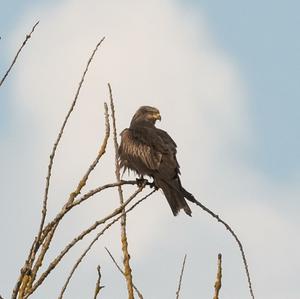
(126, 256)
(218, 282)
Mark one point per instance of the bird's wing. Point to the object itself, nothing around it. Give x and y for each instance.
(170, 166)
(141, 147)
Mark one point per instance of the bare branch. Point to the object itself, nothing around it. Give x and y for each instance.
(70, 203)
(101, 152)
(98, 286)
(51, 229)
(47, 235)
(94, 241)
(126, 256)
(52, 155)
(86, 196)
(28, 36)
(235, 237)
(120, 269)
(180, 278)
(56, 261)
(218, 282)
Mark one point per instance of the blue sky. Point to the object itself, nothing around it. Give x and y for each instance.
(261, 36)
(229, 70)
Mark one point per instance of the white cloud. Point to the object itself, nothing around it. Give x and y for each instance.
(158, 54)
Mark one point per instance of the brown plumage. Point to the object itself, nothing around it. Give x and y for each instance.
(150, 151)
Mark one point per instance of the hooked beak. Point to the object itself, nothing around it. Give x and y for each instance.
(157, 116)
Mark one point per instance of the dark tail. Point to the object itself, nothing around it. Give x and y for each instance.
(175, 195)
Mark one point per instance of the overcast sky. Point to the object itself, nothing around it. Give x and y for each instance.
(225, 76)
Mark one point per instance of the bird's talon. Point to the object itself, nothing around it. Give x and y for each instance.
(140, 182)
(152, 185)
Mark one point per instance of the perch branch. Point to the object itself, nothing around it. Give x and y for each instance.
(56, 261)
(28, 36)
(120, 269)
(180, 278)
(98, 286)
(86, 196)
(234, 236)
(124, 241)
(218, 282)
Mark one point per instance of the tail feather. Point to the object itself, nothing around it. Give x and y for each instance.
(175, 197)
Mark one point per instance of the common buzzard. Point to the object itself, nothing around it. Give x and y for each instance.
(150, 151)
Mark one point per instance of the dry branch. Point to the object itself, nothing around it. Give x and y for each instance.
(47, 235)
(180, 278)
(95, 240)
(124, 241)
(56, 261)
(123, 273)
(98, 286)
(235, 237)
(28, 36)
(52, 155)
(218, 282)
(71, 203)
(27, 268)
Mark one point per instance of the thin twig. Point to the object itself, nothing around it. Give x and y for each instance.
(180, 278)
(56, 261)
(235, 237)
(124, 241)
(86, 196)
(98, 286)
(46, 238)
(37, 242)
(94, 241)
(28, 36)
(52, 155)
(71, 201)
(123, 273)
(218, 282)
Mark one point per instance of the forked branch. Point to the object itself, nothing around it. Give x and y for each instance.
(98, 286)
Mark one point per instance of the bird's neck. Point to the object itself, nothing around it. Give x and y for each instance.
(142, 123)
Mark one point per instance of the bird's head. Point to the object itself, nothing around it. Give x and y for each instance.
(146, 114)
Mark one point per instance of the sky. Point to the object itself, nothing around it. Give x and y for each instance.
(225, 78)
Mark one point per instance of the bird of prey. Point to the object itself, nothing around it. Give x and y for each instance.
(150, 151)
